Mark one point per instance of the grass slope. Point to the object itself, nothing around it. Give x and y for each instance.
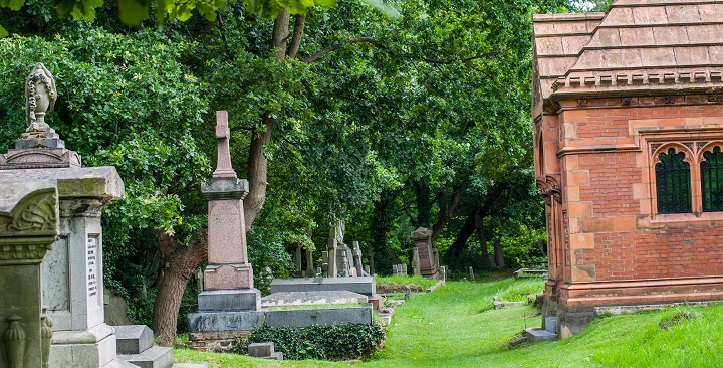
(456, 326)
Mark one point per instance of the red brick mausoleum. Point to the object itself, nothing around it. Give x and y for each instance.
(628, 140)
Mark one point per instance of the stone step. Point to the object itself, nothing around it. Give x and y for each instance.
(133, 339)
(119, 363)
(536, 335)
(155, 357)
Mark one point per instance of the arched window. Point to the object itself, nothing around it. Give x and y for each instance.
(711, 175)
(672, 174)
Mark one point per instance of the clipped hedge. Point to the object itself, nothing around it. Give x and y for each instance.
(335, 342)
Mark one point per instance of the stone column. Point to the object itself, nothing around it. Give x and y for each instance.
(28, 227)
(422, 238)
(228, 278)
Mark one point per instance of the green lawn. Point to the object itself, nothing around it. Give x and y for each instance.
(456, 326)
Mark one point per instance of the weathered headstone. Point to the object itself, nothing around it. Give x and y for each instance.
(309, 264)
(415, 262)
(298, 272)
(399, 270)
(72, 270)
(428, 256)
(357, 258)
(331, 246)
(28, 227)
(471, 274)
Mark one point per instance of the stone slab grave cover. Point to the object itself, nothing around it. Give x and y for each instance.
(360, 285)
(28, 227)
(312, 298)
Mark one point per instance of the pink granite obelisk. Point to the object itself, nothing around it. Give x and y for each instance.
(228, 278)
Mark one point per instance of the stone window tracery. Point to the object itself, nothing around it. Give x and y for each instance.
(672, 174)
(688, 177)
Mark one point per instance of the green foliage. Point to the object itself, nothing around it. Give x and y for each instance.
(335, 342)
(125, 101)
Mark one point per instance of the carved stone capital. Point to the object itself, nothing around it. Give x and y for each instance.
(554, 192)
(225, 188)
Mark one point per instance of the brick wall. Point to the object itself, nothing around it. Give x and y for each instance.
(613, 234)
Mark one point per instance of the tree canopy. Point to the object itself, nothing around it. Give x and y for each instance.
(337, 113)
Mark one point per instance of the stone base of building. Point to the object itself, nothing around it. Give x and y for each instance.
(577, 302)
(83, 349)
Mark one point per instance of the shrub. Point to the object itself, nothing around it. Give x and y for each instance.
(335, 342)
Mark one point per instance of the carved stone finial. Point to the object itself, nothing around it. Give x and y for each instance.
(40, 95)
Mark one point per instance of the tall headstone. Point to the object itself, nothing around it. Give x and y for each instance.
(228, 278)
(73, 270)
(428, 259)
(28, 227)
(229, 303)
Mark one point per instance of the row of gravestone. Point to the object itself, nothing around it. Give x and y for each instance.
(51, 251)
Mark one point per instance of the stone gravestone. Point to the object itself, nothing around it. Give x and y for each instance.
(229, 302)
(330, 256)
(72, 270)
(357, 259)
(28, 227)
(415, 262)
(428, 256)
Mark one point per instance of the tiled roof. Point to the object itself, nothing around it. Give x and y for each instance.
(638, 46)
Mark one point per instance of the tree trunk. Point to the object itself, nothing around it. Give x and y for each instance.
(257, 172)
(382, 222)
(258, 163)
(485, 255)
(460, 242)
(424, 205)
(499, 257)
(179, 264)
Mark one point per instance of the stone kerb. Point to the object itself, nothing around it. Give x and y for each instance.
(28, 226)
